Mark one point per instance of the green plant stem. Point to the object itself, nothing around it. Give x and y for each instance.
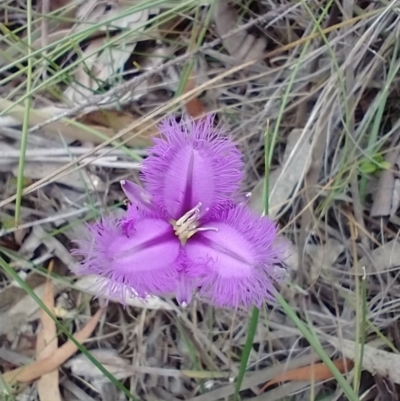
(246, 351)
(25, 124)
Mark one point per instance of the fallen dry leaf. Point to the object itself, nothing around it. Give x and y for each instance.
(106, 54)
(395, 195)
(316, 372)
(386, 196)
(20, 308)
(37, 369)
(109, 122)
(9, 243)
(54, 5)
(323, 256)
(36, 117)
(79, 179)
(242, 45)
(101, 62)
(287, 177)
(383, 258)
(91, 284)
(46, 345)
(383, 194)
(106, 126)
(108, 358)
(375, 361)
(65, 15)
(194, 106)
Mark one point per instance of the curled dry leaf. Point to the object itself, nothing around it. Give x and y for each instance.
(92, 285)
(46, 345)
(100, 63)
(63, 12)
(242, 45)
(37, 369)
(375, 361)
(121, 369)
(108, 358)
(105, 56)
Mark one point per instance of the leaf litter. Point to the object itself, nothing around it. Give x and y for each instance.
(46, 345)
(102, 67)
(53, 361)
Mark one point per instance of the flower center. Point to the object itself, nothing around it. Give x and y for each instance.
(188, 225)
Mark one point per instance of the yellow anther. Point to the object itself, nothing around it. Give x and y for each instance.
(188, 225)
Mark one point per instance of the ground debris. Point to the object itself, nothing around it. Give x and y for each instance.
(322, 98)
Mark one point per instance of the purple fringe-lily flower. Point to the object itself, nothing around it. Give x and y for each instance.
(186, 231)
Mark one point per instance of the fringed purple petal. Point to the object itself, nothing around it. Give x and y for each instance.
(185, 286)
(193, 163)
(137, 195)
(184, 290)
(137, 256)
(234, 262)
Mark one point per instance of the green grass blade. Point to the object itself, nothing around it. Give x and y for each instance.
(361, 316)
(246, 351)
(316, 345)
(25, 125)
